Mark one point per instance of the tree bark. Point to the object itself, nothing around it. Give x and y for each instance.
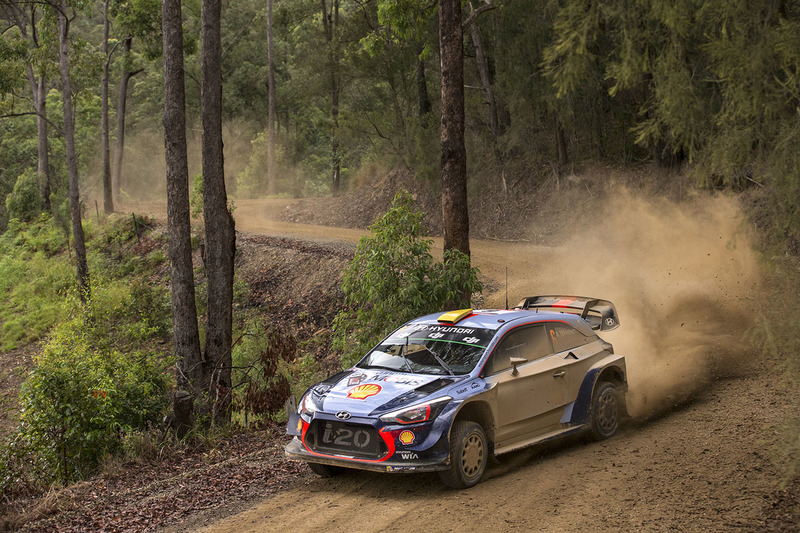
(220, 235)
(330, 22)
(271, 116)
(43, 167)
(192, 373)
(455, 213)
(69, 146)
(561, 143)
(483, 72)
(38, 96)
(122, 99)
(423, 100)
(108, 202)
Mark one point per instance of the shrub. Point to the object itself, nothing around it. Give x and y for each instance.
(24, 202)
(79, 401)
(40, 235)
(259, 375)
(393, 278)
(128, 313)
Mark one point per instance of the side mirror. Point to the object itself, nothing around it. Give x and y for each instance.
(516, 361)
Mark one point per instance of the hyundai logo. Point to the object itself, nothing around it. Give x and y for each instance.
(343, 415)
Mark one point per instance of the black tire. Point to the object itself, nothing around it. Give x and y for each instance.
(469, 453)
(607, 408)
(325, 470)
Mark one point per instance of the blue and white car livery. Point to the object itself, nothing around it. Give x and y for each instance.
(445, 392)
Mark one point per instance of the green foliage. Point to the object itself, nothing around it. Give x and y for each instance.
(142, 20)
(101, 372)
(25, 202)
(196, 196)
(17, 154)
(252, 181)
(127, 313)
(394, 278)
(39, 236)
(79, 400)
(33, 283)
(12, 54)
(31, 289)
(645, 59)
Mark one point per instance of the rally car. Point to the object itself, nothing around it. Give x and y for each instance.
(445, 392)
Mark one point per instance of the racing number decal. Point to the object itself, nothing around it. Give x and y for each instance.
(345, 437)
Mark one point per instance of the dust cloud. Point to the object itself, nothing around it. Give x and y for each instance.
(144, 166)
(682, 279)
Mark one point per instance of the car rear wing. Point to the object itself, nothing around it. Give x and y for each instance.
(599, 314)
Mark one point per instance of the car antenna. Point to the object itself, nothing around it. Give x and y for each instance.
(506, 287)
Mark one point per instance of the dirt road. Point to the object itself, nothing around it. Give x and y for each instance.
(704, 466)
(697, 456)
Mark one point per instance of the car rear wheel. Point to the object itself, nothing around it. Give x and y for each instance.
(325, 470)
(469, 453)
(607, 407)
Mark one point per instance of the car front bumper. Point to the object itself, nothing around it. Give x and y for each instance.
(295, 450)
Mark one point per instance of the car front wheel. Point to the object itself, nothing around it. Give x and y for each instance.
(469, 453)
(606, 410)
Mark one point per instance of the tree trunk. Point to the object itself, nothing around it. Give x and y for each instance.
(39, 97)
(43, 167)
(330, 22)
(69, 146)
(192, 372)
(108, 202)
(483, 72)
(455, 213)
(561, 143)
(38, 92)
(122, 99)
(271, 117)
(220, 235)
(423, 100)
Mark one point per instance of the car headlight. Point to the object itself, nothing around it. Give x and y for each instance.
(420, 412)
(307, 405)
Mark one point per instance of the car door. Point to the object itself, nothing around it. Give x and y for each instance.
(528, 399)
(576, 352)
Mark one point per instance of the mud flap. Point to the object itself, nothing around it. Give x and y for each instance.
(293, 418)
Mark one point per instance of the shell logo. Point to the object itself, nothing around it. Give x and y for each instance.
(363, 391)
(406, 437)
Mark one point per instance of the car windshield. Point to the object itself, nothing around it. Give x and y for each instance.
(430, 349)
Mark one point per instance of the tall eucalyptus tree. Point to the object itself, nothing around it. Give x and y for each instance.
(192, 370)
(220, 236)
(64, 17)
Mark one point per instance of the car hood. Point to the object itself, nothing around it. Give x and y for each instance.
(364, 392)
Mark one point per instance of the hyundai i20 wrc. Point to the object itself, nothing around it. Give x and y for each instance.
(445, 392)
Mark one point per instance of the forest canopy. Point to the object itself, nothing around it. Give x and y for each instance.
(548, 84)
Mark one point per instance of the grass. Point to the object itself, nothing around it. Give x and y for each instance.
(33, 288)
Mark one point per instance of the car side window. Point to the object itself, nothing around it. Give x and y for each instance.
(565, 337)
(531, 343)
